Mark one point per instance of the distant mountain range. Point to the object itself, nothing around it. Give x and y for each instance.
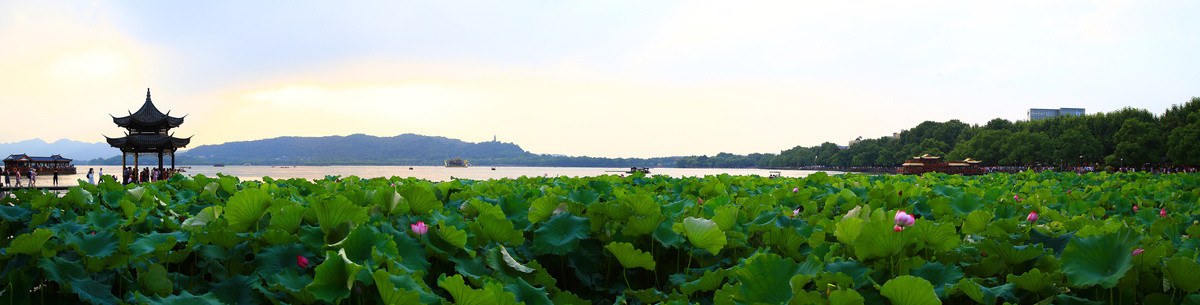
(80, 151)
(405, 149)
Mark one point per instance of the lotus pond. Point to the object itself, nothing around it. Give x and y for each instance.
(1000, 238)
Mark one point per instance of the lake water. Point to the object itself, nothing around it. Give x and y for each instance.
(433, 173)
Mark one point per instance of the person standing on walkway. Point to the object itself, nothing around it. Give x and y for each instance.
(18, 174)
(55, 177)
(101, 175)
(91, 179)
(32, 177)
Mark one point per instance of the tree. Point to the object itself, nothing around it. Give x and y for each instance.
(1026, 148)
(1077, 145)
(1138, 143)
(1183, 145)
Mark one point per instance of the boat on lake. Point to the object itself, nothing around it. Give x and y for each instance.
(457, 162)
(933, 164)
(44, 165)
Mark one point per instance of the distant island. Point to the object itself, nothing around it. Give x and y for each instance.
(405, 149)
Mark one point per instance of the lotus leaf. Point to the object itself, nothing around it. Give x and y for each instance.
(1099, 259)
(29, 243)
(702, 233)
(909, 290)
(560, 234)
(246, 208)
(334, 277)
(630, 257)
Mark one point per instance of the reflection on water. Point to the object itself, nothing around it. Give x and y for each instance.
(434, 173)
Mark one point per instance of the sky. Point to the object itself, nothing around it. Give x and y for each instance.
(595, 78)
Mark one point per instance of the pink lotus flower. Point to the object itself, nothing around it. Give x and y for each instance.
(302, 262)
(795, 190)
(1162, 212)
(1137, 251)
(796, 212)
(1032, 217)
(420, 228)
(897, 228)
(699, 201)
(1017, 197)
(903, 219)
(1068, 192)
(1135, 209)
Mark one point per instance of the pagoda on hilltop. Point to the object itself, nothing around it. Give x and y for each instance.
(146, 133)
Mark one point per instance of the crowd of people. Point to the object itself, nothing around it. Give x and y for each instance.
(131, 175)
(28, 177)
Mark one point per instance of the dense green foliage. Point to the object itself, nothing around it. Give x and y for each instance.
(405, 149)
(604, 240)
(1125, 138)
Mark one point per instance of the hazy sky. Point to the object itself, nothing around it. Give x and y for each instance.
(598, 78)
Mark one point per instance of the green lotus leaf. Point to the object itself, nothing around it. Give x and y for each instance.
(976, 222)
(491, 293)
(334, 277)
(201, 219)
(726, 217)
(275, 259)
(642, 225)
(966, 203)
(246, 208)
(287, 218)
(103, 220)
(1183, 273)
(630, 257)
(13, 213)
(938, 237)
(709, 281)
(1100, 259)
(404, 283)
(845, 297)
(362, 242)
(702, 233)
(156, 242)
(184, 298)
(390, 201)
(60, 270)
(337, 211)
(389, 294)
(511, 262)
(94, 292)
(584, 196)
(100, 245)
(527, 294)
(1035, 280)
(29, 243)
(156, 281)
(542, 208)
(942, 277)
(909, 290)
(765, 278)
(644, 205)
(1054, 243)
(412, 253)
(238, 289)
(848, 229)
(1011, 254)
(499, 229)
(857, 273)
(1070, 300)
(878, 239)
(419, 200)
(453, 235)
(560, 234)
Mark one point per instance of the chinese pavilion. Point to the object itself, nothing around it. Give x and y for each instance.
(146, 133)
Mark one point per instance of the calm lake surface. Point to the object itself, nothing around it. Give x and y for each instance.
(433, 173)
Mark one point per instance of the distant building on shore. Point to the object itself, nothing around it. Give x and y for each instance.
(1038, 113)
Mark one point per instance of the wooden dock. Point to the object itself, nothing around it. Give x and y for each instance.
(8, 189)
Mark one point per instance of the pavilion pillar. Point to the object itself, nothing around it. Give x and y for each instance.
(160, 161)
(172, 160)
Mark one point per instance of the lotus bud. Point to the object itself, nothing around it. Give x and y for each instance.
(796, 212)
(1068, 192)
(903, 219)
(420, 228)
(1032, 217)
(1137, 251)
(983, 253)
(1162, 212)
(897, 228)
(901, 193)
(1017, 197)
(302, 262)
(699, 201)
(1135, 209)
(795, 190)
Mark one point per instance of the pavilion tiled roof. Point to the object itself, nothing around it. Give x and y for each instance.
(148, 142)
(148, 118)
